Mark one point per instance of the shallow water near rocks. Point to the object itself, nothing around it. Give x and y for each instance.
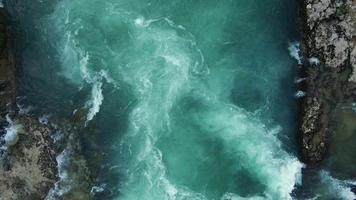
(342, 149)
(334, 177)
(182, 99)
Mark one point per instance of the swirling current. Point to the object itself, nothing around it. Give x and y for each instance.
(191, 100)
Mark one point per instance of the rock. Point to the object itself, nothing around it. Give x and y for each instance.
(29, 168)
(328, 31)
(79, 117)
(46, 163)
(39, 159)
(75, 181)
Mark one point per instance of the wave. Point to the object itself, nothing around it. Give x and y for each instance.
(76, 67)
(300, 94)
(248, 140)
(73, 174)
(96, 101)
(340, 189)
(60, 188)
(12, 132)
(314, 61)
(294, 51)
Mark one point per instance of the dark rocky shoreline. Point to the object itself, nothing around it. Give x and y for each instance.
(28, 167)
(30, 159)
(328, 52)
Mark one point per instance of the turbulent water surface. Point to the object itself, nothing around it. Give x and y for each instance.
(189, 99)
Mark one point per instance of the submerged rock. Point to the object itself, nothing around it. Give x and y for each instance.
(328, 33)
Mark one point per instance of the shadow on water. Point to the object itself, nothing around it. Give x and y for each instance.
(335, 177)
(343, 143)
(48, 93)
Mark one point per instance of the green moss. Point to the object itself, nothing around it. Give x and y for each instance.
(317, 139)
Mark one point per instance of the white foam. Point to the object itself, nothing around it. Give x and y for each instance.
(353, 106)
(232, 196)
(314, 198)
(83, 65)
(24, 110)
(104, 74)
(140, 21)
(338, 188)
(314, 61)
(157, 87)
(259, 149)
(299, 80)
(58, 135)
(96, 100)
(12, 132)
(60, 188)
(172, 59)
(300, 94)
(82, 74)
(43, 119)
(294, 51)
(171, 190)
(97, 189)
(95, 79)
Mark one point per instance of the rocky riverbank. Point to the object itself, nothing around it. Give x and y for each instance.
(28, 167)
(28, 164)
(328, 30)
(39, 157)
(43, 160)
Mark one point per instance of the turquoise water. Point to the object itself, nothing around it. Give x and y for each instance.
(189, 99)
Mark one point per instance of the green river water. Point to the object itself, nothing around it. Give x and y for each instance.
(190, 99)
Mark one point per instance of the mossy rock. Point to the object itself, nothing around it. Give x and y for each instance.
(79, 117)
(317, 139)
